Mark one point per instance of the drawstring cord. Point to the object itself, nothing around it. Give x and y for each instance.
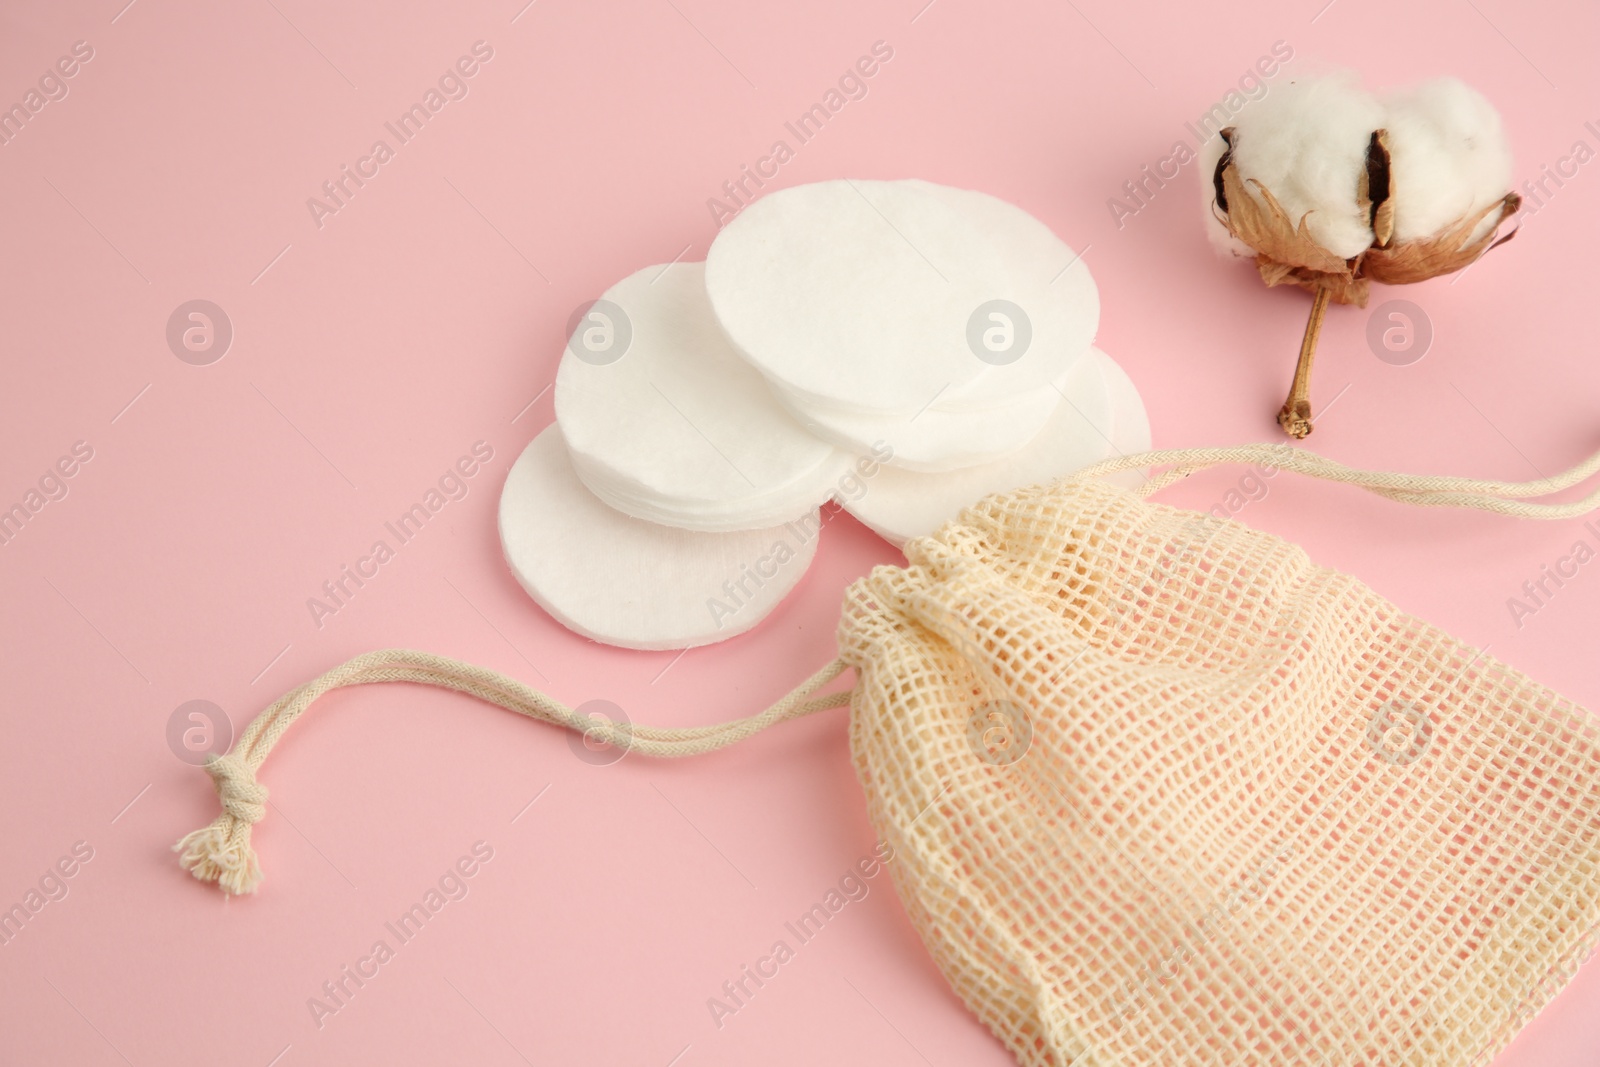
(1423, 490)
(221, 852)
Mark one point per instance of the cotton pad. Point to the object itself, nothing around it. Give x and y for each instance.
(899, 505)
(935, 440)
(623, 581)
(1006, 405)
(1048, 282)
(1130, 422)
(855, 295)
(666, 422)
(772, 507)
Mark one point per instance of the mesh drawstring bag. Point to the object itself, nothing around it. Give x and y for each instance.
(1159, 790)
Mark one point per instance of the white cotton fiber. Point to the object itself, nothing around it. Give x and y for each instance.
(623, 581)
(1224, 242)
(1449, 157)
(1307, 142)
(678, 428)
(899, 504)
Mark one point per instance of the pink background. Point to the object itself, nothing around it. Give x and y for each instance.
(428, 314)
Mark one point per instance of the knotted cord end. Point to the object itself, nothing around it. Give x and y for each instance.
(222, 852)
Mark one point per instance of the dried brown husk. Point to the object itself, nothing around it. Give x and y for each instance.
(1344, 287)
(1262, 223)
(1443, 253)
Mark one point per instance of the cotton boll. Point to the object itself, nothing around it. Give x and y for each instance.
(1307, 142)
(1222, 240)
(1449, 158)
(1336, 189)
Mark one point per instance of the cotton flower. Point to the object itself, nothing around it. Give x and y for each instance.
(1330, 188)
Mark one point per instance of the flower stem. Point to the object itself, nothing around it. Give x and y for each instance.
(1295, 416)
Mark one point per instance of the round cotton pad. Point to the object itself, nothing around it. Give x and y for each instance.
(855, 295)
(1130, 423)
(666, 422)
(935, 440)
(1049, 285)
(899, 505)
(626, 582)
(778, 505)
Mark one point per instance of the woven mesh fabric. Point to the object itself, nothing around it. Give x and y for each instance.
(1162, 791)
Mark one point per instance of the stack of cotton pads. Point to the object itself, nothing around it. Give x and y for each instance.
(900, 347)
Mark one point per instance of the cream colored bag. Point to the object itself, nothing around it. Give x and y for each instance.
(1161, 791)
